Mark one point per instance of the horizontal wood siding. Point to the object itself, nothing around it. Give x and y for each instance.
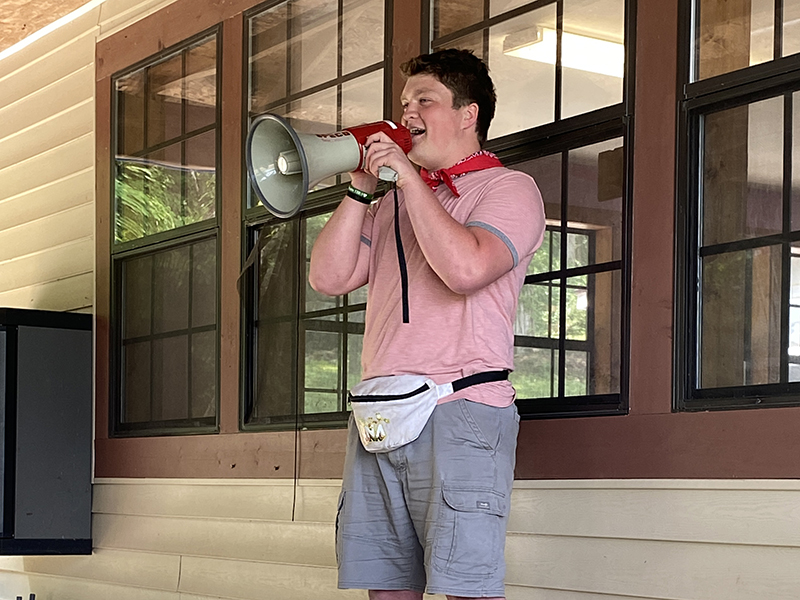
(567, 540)
(46, 170)
(47, 154)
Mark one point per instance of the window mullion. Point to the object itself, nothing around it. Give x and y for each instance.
(562, 281)
(558, 66)
(786, 261)
(778, 30)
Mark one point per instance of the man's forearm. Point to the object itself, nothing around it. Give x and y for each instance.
(335, 267)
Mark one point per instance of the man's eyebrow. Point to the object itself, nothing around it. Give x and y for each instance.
(419, 91)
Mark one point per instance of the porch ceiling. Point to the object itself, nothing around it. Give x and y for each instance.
(20, 18)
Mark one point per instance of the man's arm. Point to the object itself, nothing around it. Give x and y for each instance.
(466, 259)
(339, 259)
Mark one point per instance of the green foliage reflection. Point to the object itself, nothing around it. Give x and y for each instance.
(153, 197)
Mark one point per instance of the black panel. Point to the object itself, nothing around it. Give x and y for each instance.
(44, 318)
(45, 432)
(45, 547)
(3, 512)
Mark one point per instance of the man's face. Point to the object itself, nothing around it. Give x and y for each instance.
(438, 130)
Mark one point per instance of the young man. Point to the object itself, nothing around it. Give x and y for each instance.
(431, 515)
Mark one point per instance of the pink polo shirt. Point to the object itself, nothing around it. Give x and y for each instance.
(451, 335)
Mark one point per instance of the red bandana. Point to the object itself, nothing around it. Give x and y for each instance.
(475, 162)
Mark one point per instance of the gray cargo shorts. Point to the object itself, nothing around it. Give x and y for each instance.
(431, 515)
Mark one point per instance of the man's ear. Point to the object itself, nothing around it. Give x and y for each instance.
(470, 116)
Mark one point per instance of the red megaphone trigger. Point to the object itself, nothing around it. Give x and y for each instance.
(399, 134)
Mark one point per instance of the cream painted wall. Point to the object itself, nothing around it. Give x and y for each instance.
(47, 162)
(568, 540)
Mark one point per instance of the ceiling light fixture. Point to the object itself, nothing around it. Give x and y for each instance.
(577, 51)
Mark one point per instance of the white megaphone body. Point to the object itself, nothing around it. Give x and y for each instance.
(284, 165)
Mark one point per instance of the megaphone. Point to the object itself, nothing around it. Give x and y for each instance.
(284, 165)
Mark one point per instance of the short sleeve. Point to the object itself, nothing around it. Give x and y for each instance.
(511, 208)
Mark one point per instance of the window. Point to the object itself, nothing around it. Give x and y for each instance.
(549, 60)
(320, 64)
(740, 268)
(569, 335)
(559, 69)
(164, 250)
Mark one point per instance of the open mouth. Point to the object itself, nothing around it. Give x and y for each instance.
(416, 131)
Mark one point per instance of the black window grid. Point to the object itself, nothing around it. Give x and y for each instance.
(760, 85)
(185, 235)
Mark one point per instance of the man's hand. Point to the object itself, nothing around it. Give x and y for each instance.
(382, 151)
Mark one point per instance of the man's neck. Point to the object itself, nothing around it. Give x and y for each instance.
(454, 158)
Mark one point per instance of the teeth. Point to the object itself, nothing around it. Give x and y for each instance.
(416, 130)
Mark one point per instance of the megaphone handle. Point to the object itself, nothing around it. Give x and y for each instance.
(387, 174)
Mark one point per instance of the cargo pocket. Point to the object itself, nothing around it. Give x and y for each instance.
(469, 536)
(337, 533)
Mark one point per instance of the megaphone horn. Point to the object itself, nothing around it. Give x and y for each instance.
(284, 165)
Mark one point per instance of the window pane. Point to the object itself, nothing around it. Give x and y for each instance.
(165, 168)
(575, 375)
(362, 100)
(546, 171)
(451, 15)
(535, 372)
(276, 326)
(204, 283)
(170, 378)
(321, 402)
(312, 114)
(594, 203)
(743, 172)
(592, 54)
(474, 43)
(362, 34)
(355, 344)
(268, 61)
(794, 314)
(791, 28)
(740, 318)
(548, 256)
(201, 86)
(171, 290)
(204, 374)
(136, 383)
(594, 329)
(314, 301)
(795, 192)
(522, 64)
(733, 35)
(137, 297)
(538, 311)
(314, 45)
(164, 100)
(130, 113)
(321, 361)
(168, 312)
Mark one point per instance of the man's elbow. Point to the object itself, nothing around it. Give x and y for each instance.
(325, 284)
(319, 284)
(466, 282)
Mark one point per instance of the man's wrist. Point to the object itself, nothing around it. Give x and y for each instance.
(360, 195)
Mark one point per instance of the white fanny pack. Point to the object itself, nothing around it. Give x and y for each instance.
(392, 411)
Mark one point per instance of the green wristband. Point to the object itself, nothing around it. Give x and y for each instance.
(360, 196)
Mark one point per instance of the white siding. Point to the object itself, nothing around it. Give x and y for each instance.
(574, 540)
(47, 151)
